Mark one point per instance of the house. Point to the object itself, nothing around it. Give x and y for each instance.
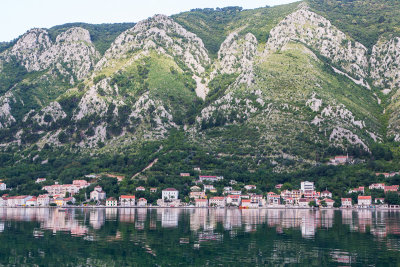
(69, 200)
(40, 180)
(197, 169)
(385, 174)
(391, 188)
(278, 186)
(127, 201)
(217, 202)
(339, 160)
(250, 187)
(58, 189)
(289, 201)
(17, 201)
(43, 200)
(111, 202)
(227, 189)
(210, 188)
(273, 199)
(3, 186)
(142, 202)
(246, 203)
(360, 189)
(98, 194)
(170, 194)
(329, 202)
(346, 203)
(306, 186)
(195, 188)
(153, 189)
(380, 186)
(203, 178)
(31, 202)
(184, 174)
(81, 183)
(303, 202)
(140, 188)
(364, 201)
(233, 200)
(326, 194)
(197, 195)
(201, 202)
(3, 201)
(232, 182)
(235, 192)
(379, 201)
(59, 201)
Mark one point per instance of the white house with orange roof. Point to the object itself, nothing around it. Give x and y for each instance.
(379, 186)
(326, 194)
(43, 200)
(250, 187)
(31, 202)
(170, 194)
(127, 200)
(346, 203)
(273, 199)
(359, 189)
(111, 202)
(329, 202)
(233, 200)
(391, 188)
(217, 202)
(201, 202)
(364, 201)
(140, 188)
(142, 202)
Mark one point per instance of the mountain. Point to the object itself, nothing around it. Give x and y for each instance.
(245, 93)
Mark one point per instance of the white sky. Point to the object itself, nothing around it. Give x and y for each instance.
(18, 16)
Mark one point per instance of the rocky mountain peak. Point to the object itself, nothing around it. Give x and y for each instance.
(165, 36)
(74, 34)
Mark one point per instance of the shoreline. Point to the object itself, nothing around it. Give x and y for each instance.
(212, 208)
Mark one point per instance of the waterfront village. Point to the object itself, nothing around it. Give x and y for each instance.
(203, 193)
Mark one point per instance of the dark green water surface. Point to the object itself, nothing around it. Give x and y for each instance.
(198, 237)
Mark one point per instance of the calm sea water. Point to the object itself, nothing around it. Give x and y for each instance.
(198, 237)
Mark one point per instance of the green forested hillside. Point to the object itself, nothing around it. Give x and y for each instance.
(364, 20)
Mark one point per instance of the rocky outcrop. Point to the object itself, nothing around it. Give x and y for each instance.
(318, 33)
(6, 118)
(164, 35)
(385, 64)
(72, 54)
(236, 55)
(50, 114)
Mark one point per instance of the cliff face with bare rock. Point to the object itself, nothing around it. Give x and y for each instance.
(289, 87)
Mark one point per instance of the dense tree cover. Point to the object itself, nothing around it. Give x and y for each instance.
(364, 20)
(175, 155)
(102, 35)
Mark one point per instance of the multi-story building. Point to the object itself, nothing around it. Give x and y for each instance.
(197, 195)
(43, 200)
(170, 194)
(98, 194)
(201, 202)
(127, 201)
(111, 202)
(203, 178)
(307, 186)
(364, 201)
(217, 202)
(346, 203)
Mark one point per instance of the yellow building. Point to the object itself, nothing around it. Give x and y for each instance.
(59, 201)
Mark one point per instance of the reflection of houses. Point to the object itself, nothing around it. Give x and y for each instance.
(169, 217)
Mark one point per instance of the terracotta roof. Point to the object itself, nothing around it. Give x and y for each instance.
(364, 197)
(128, 197)
(218, 198)
(346, 199)
(170, 189)
(200, 200)
(142, 199)
(246, 200)
(111, 199)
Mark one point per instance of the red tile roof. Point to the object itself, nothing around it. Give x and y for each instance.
(128, 197)
(364, 197)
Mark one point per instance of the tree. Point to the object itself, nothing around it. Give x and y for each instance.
(323, 204)
(312, 204)
(392, 198)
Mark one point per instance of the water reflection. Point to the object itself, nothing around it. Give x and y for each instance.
(270, 236)
(81, 221)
